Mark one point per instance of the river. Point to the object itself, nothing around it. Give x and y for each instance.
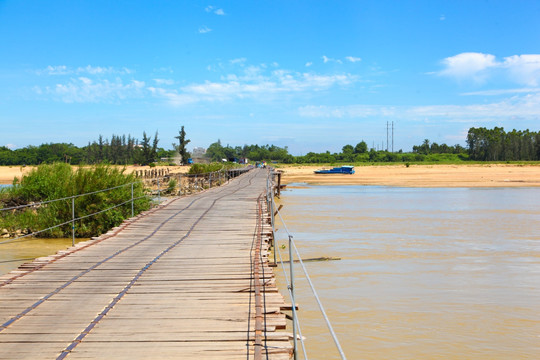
(434, 273)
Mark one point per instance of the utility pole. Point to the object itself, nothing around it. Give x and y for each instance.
(392, 136)
(386, 136)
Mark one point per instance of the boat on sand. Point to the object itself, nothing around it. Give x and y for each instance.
(337, 170)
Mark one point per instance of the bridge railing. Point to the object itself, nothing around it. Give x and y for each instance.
(74, 219)
(290, 276)
(222, 174)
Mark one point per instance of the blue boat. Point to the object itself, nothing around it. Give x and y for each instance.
(337, 170)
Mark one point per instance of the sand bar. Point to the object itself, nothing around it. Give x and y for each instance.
(485, 175)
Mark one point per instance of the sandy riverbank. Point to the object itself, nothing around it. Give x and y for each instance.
(8, 173)
(488, 175)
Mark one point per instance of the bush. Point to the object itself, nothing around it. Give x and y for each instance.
(171, 187)
(59, 180)
(197, 169)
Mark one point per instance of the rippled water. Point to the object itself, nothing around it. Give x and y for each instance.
(425, 273)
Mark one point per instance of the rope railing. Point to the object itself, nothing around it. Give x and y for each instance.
(290, 280)
(28, 237)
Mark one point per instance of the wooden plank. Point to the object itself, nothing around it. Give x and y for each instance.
(182, 278)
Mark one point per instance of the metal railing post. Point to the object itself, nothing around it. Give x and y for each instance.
(210, 180)
(158, 191)
(132, 201)
(273, 230)
(73, 221)
(179, 184)
(291, 267)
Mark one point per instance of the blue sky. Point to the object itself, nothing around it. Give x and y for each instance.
(310, 75)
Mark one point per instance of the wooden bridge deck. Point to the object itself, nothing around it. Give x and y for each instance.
(177, 282)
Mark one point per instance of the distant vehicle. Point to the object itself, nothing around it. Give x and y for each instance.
(337, 170)
(190, 161)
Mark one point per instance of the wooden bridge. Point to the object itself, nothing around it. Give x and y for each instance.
(187, 280)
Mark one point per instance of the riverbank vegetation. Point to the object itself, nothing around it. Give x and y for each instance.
(61, 181)
(119, 150)
(197, 169)
(482, 145)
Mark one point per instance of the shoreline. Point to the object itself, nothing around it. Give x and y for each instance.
(438, 175)
(477, 175)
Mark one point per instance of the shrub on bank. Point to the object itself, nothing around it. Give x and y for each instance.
(59, 180)
(197, 169)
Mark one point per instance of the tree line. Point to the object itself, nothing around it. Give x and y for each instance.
(119, 150)
(218, 152)
(498, 145)
(482, 145)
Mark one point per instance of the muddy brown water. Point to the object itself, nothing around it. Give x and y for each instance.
(13, 254)
(425, 273)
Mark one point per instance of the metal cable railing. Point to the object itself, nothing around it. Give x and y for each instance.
(27, 237)
(290, 281)
(64, 198)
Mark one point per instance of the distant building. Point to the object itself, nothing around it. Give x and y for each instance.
(198, 152)
(199, 155)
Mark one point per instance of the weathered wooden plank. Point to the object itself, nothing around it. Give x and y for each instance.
(175, 282)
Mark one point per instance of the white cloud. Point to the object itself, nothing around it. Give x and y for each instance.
(204, 30)
(523, 69)
(214, 10)
(254, 82)
(11, 146)
(56, 70)
(497, 92)
(527, 106)
(353, 59)
(469, 66)
(308, 64)
(89, 69)
(83, 89)
(261, 82)
(326, 59)
(172, 96)
(164, 81)
(238, 61)
(479, 67)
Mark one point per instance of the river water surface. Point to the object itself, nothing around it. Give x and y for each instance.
(425, 273)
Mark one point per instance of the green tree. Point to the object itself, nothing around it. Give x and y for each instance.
(347, 149)
(215, 151)
(146, 150)
(182, 143)
(361, 147)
